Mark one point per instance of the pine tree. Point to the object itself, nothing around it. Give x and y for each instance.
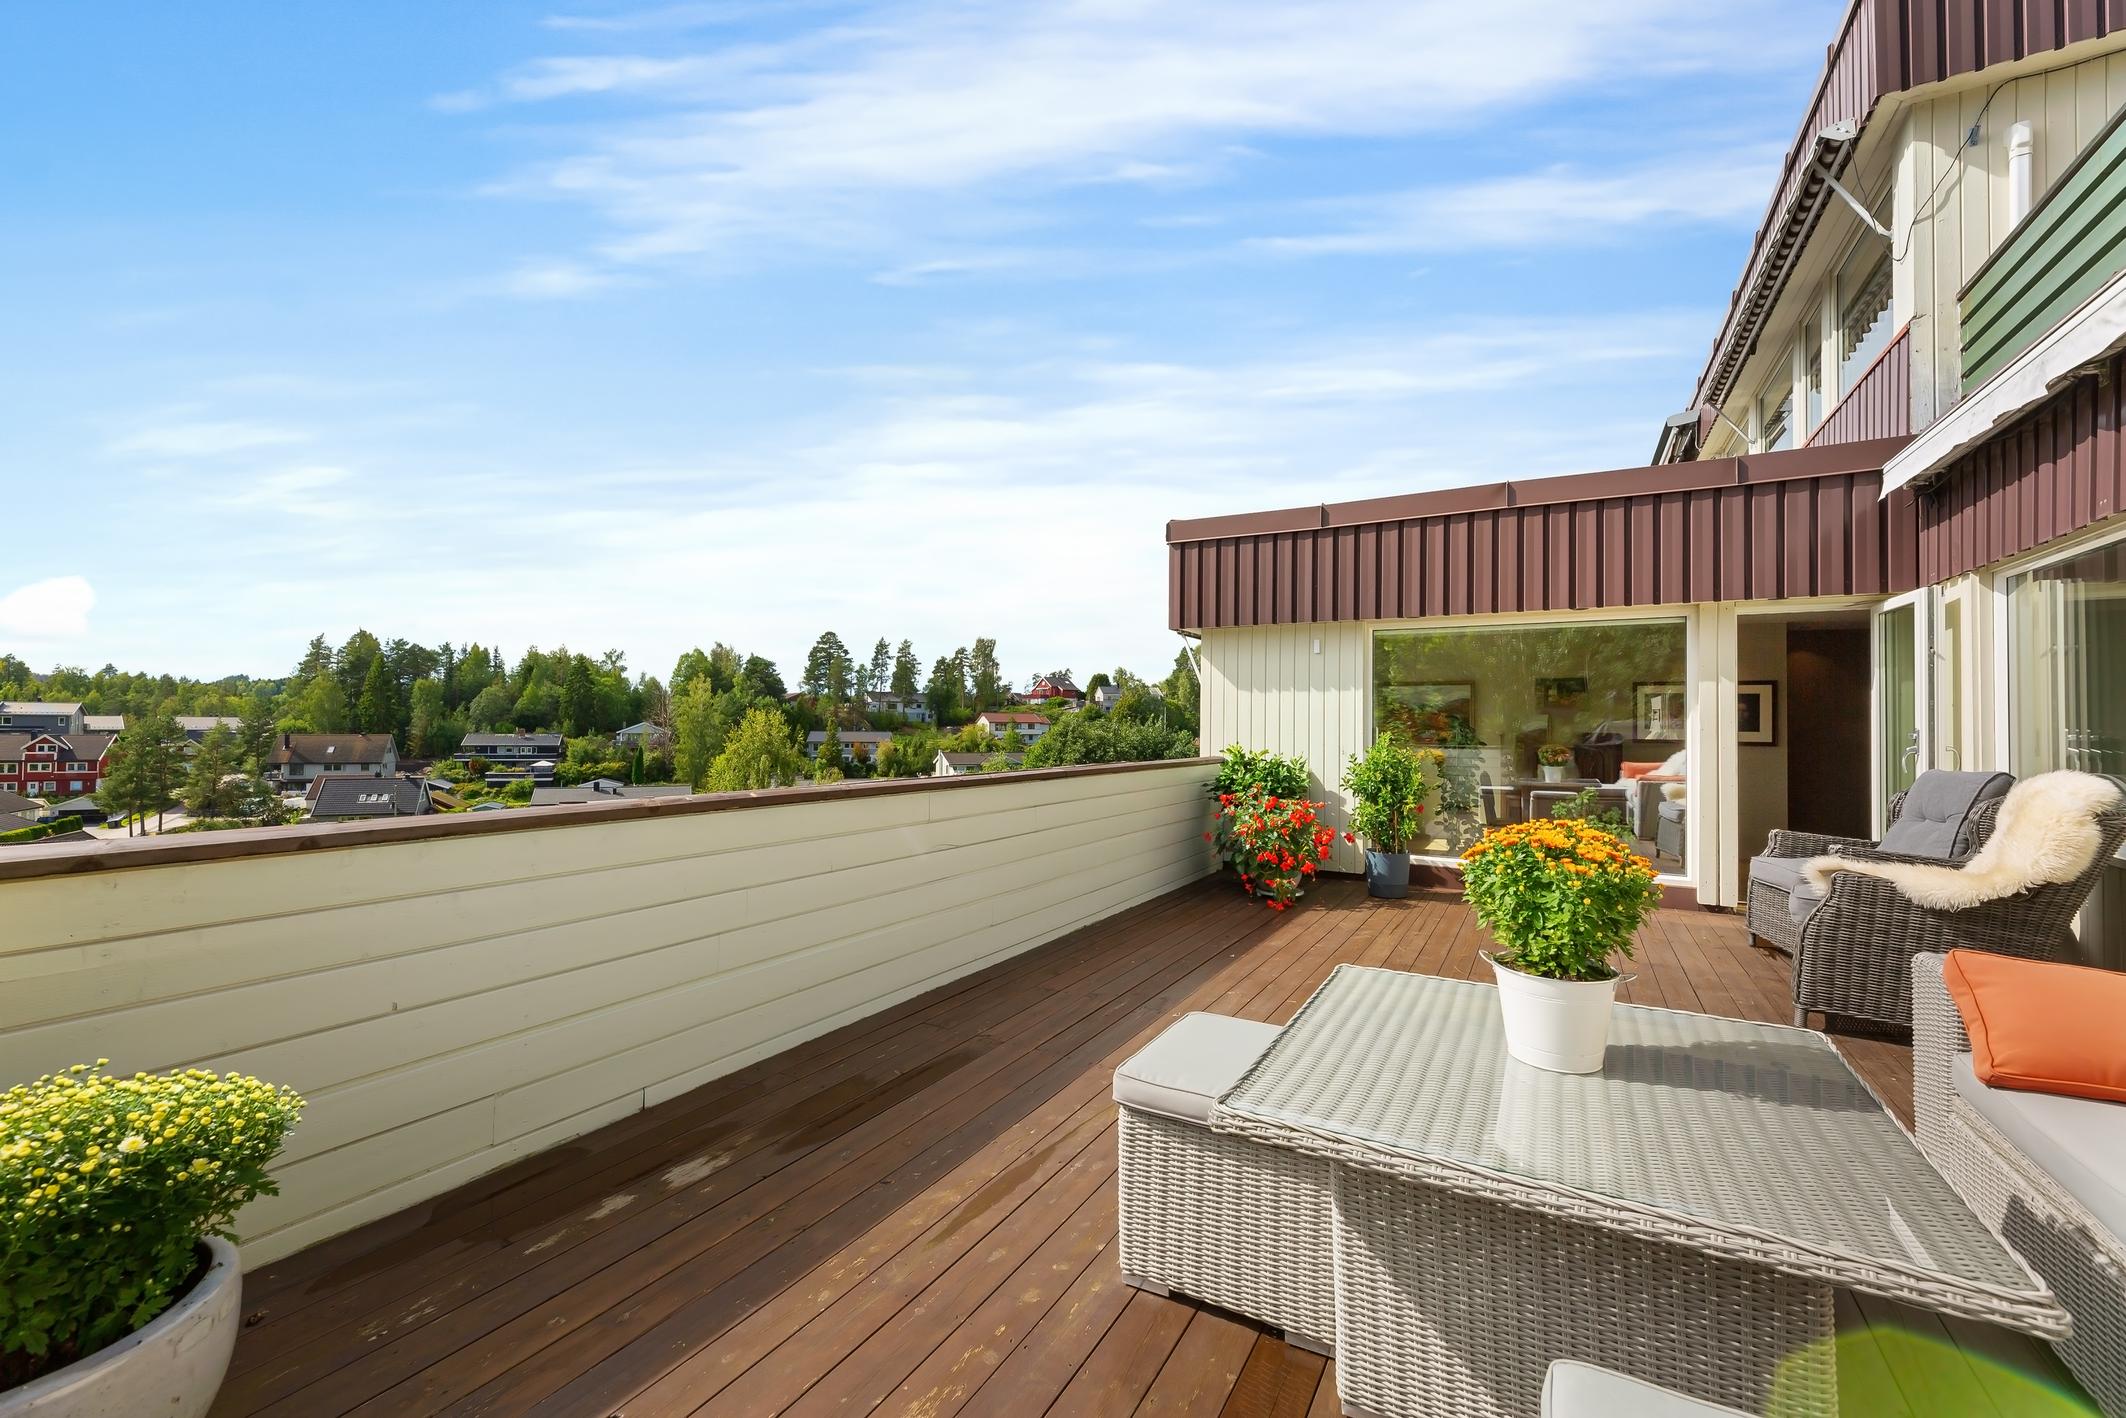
(830, 756)
(988, 687)
(827, 669)
(907, 671)
(637, 765)
(254, 737)
(881, 666)
(213, 787)
(579, 699)
(377, 711)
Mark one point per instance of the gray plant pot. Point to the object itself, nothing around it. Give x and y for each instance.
(1387, 874)
(170, 1368)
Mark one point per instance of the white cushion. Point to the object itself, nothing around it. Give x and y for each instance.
(2079, 1142)
(1183, 1071)
(1575, 1390)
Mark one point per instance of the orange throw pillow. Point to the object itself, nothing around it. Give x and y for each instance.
(2041, 1026)
(1640, 770)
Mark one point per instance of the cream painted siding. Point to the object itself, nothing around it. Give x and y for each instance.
(452, 1003)
(1267, 687)
(1953, 200)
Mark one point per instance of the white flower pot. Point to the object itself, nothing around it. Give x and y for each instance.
(170, 1368)
(1561, 1025)
(1552, 772)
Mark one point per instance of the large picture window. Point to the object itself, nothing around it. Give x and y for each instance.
(2067, 672)
(1612, 695)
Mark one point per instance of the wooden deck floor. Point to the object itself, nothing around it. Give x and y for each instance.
(916, 1214)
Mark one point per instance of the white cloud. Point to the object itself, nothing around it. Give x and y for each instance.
(204, 439)
(1557, 206)
(557, 280)
(296, 491)
(48, 610)
(855, 131)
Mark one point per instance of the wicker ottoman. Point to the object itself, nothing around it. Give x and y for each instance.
(1239, 1224)
(1575, 1390)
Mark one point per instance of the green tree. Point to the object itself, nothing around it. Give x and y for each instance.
(254, 736)
(1082, 738)
(578, 703)
(123, 793)
(321, 708)
(830, 756)
(827, 669)
(1184, 695)
(881, 666)
(761, 680)
(490, 707)
(909, 755)
(693, 665)
(758, 754)
(987, 684)
(946, 693)
(214, 785)
(700, 718)
(351, 664)
(377, 712)
(150, 766)
(725, 666)
(907, 671)
(637, 765)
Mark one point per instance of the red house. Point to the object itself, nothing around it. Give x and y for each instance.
(53, 765)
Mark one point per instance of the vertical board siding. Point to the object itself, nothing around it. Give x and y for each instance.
(2055, 472)
(2072, 243)
(448, 1005)
(1880, 405)
(1952, 200)
(1827, 535)
(1268, 688)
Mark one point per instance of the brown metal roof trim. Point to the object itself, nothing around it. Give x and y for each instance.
(38, 859)
(1808, 522)
(1884, 47)
(2050, 474)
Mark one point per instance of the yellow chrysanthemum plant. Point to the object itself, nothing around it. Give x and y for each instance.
(1560, 895)
(107, 1186)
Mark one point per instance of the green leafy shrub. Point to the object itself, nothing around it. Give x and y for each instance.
(1275, 776)
(38, 831)
(1560, 895)
(106, 1187)
(1075, 738)
(1390, 785)
(1553, 755)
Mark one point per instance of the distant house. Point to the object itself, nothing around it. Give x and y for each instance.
(1022, 724)
(649, 737)
(103, 723)
(38, 716)
(299, 759)
(15, 821)
(46, 764)
(86, 808)
(912, 707)
(18, 805)
(198, 726)
(955, 765)
(509, 748)
(1055, 686)
(352, 798)
(858, 745)
(605, 790)
(1107, 696)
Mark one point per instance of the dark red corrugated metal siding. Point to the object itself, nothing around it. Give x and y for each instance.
(1747, 534)
(1880, 405)
(2058, 470)
(1929, 42)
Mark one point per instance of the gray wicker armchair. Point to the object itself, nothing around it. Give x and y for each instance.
(1852, 949)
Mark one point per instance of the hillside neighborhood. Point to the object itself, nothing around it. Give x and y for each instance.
(374, 729)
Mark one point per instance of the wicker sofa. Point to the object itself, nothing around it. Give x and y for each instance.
(2046, 1172)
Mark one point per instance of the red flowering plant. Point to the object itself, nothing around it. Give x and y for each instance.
(1275, 843)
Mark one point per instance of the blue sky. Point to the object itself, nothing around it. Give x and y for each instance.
(652, 325)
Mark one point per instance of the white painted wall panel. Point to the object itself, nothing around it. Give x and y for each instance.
(451, 1004)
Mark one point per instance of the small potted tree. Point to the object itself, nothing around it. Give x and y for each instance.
(1562, 897)
(1552, 759)
(119, 1286)
(1389, 786)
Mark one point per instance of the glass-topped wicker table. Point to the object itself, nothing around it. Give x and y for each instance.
(1684, 1216)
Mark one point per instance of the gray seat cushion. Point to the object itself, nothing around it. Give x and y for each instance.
(1673, 810)
(1935, 820)
(1575, 1390)
(2079, 1142)
(1783, 874)
(1183, 1071)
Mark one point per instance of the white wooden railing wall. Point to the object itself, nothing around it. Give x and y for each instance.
(451, 996)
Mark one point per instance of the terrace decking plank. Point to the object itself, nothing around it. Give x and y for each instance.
(917, 1214)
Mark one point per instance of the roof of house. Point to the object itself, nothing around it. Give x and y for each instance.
(15, 822)
(39, 706)
(339, 798)
(331, 748)
(80, 748)
(645, 727)
(976, 760)
(84, 803)
(15, 802)
(1012, 716)
(103, 723)
(851, 736)
(205, 723)
(479, 741)
(1061, 685)
(586, 793)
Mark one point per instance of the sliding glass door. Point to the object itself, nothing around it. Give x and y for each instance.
(1902, 685)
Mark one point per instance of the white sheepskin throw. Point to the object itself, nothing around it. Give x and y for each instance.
(2046, 832)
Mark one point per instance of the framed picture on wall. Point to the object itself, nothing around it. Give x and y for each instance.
(1757, 712)
(1658, 711)
(1427, 713)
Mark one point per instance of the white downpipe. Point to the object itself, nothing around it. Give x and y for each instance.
(2022, 144)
